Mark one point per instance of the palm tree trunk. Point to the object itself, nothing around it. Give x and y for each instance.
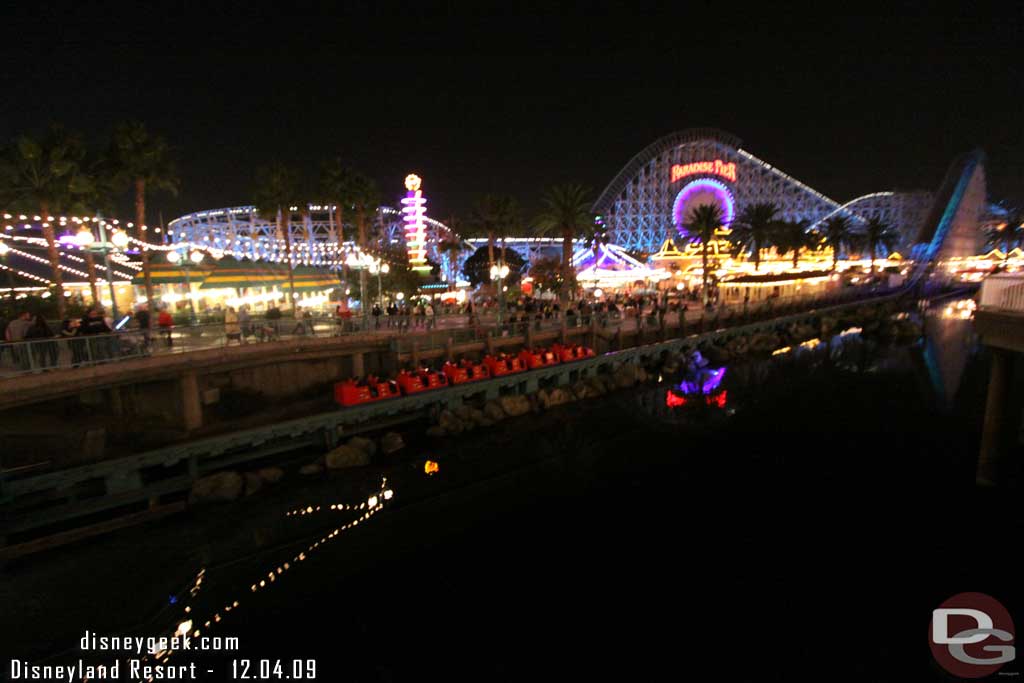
(140, 220)
(872, 250)
(490, 248)
(341, 240)
(285, 223)
(361, 226)
(566, 263)
(90, 267)
(704, 271)
(796, 257)
(51, 250)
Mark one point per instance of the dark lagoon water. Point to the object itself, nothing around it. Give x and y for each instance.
(803, 529)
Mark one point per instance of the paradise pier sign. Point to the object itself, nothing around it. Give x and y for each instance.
(716, 167)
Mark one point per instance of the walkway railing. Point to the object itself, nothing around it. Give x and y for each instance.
(431, 332)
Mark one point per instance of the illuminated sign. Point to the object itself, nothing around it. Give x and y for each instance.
(413, 211)
(716, 167)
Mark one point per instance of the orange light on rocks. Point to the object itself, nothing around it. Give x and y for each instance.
(430, 467)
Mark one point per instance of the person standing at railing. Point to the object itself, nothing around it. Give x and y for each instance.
(69, 331)
(166, 323)
(94, 325)
(232, 329)
(142, 318)
(273, 316)
(376, 316)
(244, 323)
(428, 311)
(44, 352)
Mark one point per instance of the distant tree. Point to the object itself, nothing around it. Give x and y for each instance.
(877, 234)
(143, 161)
(704, 220)
(753, 230)
(838, 234)
(338, 184)
(493, 217)
(548, 274)
(477, 267)
(277, 188)
(451, 249)
(567, 212)
(365, 201)
(792, 237)
(48, 175)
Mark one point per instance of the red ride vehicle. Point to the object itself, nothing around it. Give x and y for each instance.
(502, 364)
(540, 358)
(570, 353)
(353, 393)
(420, 380)
(465, 371)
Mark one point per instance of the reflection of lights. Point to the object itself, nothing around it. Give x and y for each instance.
(784, 349)
(430, 467)
(707, 380)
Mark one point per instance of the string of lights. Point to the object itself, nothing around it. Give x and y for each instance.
(189, 625)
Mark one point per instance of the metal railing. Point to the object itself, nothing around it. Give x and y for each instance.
(429, 332)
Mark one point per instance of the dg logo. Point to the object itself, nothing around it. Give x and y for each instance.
(971, 635)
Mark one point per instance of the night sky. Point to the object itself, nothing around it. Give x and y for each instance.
(482, 101)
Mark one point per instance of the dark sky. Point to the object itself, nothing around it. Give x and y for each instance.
(515, 100)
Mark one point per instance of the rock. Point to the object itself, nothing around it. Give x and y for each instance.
(220, 486)
(391, 442)
(450, 423)
(270, 475)
(436, 431)
(641, 375)
(625, 377)
(477, 416)
(486, 422)
(253, 483)
(347, 456)
(595, 387)
(363, 444)
(559, 396)
(311, 468)
(464, 413)
(515, 406)
(581, 391)
(493, 411)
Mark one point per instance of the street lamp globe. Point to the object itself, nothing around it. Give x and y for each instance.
(385, 268)
(120, 239)
(400, 296)
(173, 257)
(196, 257)
(4, 248)
(83, 237)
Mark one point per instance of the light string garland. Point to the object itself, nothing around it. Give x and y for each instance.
(189, 623)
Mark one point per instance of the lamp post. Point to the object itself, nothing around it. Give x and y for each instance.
(187, 261)
(118, 241)
(377, 268)
(499, 273)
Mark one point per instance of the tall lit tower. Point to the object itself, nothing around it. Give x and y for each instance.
(413, 210)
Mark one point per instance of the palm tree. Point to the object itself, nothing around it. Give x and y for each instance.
(365, 199)
(491, 217)
(878, 233)
(337, 184)
(567, 211)
(753, 230)
(703, 222)
(452, 248)
(793, 236)
(837, 233)
(144, 161)
(277, 188)
(47, 175)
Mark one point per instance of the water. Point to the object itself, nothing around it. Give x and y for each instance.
(806, 527)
